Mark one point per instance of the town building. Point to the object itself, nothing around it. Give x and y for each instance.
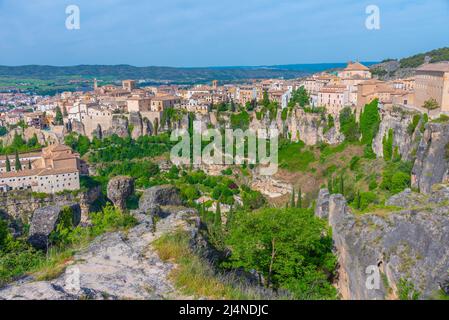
(432, 82)
(55, 169)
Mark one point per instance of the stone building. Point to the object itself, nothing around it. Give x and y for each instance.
(56, 169)
(432, 82)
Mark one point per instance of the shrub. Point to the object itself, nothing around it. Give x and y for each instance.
(291, 248)
(369, 122)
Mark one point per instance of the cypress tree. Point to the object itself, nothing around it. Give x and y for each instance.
(342, 185)
(329, 184)
(217, 218)
(299, 202)
(292, 201)
(359, 200)
(8, 164)
(29, 164)
(18, 165)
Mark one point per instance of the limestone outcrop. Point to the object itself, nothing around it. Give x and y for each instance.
(119, 189)
(20, 205)
(407, 248)
(118, 265)
(431, 165)
(45, 221)
(120, 127)
(43, 137)
(399, 121)
(160, 196)
(136, 124)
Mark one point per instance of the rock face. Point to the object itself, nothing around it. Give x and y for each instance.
(119, 127)
(403, 247)
(20, 205)
(43, 137)
(309, 127)
(322, 204)
(118, 265)
(136, 123)
(45, 221)
(304, 126)
(119, 189)
(431, 165)
(399, 121)
(160, 196)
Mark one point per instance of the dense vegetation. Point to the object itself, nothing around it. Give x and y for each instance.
(19, 144)
(415, 61)
(289, 248)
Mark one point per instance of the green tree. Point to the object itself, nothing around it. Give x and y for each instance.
(292, 200)
(33, 142)
(3, 131)
(217, 217)
(17, 164)
(8, 164)
(291, 248)
(387, 144)
(3, 234)
(431, 104)
(369, 122)
(330, 184)
(342, 185)
(348, 125)
(265, 99)
(59, 119)
(156, 126)
(299, 202)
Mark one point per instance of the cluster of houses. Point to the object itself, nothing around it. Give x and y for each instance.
(57, 167)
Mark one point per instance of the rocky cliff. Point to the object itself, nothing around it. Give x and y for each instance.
(431, 165)
(398, 120)
(300, 125)
(20, 205)
(43, 137)
(119, 265)
(407, 248)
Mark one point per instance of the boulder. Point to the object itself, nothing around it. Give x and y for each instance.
(160, 196)
(119, 189)
(46, 219)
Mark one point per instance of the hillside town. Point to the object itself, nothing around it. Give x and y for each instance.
(96, 113)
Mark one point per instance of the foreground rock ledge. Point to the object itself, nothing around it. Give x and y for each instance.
(409, 245)
(116, 265)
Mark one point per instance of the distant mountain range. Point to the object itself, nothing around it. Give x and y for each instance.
(169, 74)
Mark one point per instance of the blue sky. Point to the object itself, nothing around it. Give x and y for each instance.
(217, 33)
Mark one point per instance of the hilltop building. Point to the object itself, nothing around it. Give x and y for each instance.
(432, 82)
(55, 169)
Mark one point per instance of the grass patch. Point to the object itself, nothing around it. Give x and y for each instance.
(195, 276)
(294, 157)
